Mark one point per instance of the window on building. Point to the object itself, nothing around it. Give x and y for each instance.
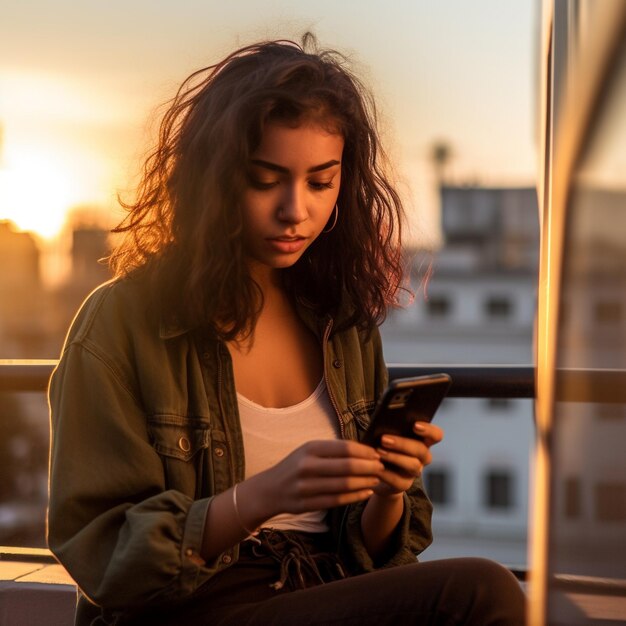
(499, 404)
(438, 485)
(498, 307)
(499, 489)
(610, 502)
(572, 505)
(608, 312)
(438, 306)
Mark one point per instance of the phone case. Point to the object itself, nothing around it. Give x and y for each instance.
(405, 401)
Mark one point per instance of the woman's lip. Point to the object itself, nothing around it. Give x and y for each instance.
(287, 245)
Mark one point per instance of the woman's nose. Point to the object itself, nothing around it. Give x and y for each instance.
(293, 207)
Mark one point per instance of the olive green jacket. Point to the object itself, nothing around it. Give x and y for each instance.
(145, 431)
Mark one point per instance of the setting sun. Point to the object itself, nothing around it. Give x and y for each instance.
(37, 189)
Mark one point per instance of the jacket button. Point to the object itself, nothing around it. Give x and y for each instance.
(184, 444)
(336, 363)
(226, 559)
(219, 451)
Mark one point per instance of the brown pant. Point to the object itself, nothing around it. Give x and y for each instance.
(468, 591)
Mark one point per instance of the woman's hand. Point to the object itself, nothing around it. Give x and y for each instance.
(317, 475)
(405, 458)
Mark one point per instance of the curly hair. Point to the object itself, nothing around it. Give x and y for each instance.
(185, 224)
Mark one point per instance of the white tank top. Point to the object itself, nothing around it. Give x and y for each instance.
(269, 435)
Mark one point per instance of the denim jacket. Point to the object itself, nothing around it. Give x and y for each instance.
(145, 431)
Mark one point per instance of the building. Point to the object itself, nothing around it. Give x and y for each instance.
(23, 326)
(89, 248)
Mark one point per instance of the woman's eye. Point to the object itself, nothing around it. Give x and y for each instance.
(320, 185)
(263, 184)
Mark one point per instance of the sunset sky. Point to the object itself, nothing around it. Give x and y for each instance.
(80, 81)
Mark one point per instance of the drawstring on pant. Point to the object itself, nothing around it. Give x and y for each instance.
(300, 565)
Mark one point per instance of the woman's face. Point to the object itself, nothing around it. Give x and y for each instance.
(294, 179)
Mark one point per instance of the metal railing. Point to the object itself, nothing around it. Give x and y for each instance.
(468, 381)
(25, 375)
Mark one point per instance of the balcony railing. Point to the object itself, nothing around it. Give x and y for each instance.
(468, 381)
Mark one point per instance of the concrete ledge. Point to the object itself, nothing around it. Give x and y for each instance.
(41, 593)
(36, 594)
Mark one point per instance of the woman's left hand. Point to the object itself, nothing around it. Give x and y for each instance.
(405, 458)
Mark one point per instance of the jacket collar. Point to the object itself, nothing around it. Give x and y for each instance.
(170, 326)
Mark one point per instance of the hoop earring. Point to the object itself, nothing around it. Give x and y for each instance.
(336, 211)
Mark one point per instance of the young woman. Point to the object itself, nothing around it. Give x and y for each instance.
(207, 409)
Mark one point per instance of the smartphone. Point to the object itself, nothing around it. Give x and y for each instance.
(404, 402)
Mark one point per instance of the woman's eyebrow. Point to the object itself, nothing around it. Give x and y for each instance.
(283, 170)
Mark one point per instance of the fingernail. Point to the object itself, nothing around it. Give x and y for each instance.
(419, 427)
(382, 452)
(386, 439)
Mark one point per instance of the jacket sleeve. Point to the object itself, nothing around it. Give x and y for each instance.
(413, 533)
(125, 538)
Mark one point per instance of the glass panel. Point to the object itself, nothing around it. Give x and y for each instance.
(588, 534)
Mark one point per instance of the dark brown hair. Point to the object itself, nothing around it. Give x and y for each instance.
(185, 224)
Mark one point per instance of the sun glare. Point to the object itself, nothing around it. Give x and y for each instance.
(36, 191)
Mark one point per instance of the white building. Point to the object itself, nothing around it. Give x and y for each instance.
(478, 307)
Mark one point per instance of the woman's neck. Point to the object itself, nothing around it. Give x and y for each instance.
(269, 281)
(277, 306)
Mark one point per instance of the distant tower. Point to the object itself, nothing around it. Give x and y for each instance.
(89, 245)
(19, 257)
(22, 322)
(441, 155)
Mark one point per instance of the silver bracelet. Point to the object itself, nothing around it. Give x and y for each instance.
(243, 526)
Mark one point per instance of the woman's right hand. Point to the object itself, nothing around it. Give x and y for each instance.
(317, 475)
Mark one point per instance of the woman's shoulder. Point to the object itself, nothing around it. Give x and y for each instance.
(117, 309)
